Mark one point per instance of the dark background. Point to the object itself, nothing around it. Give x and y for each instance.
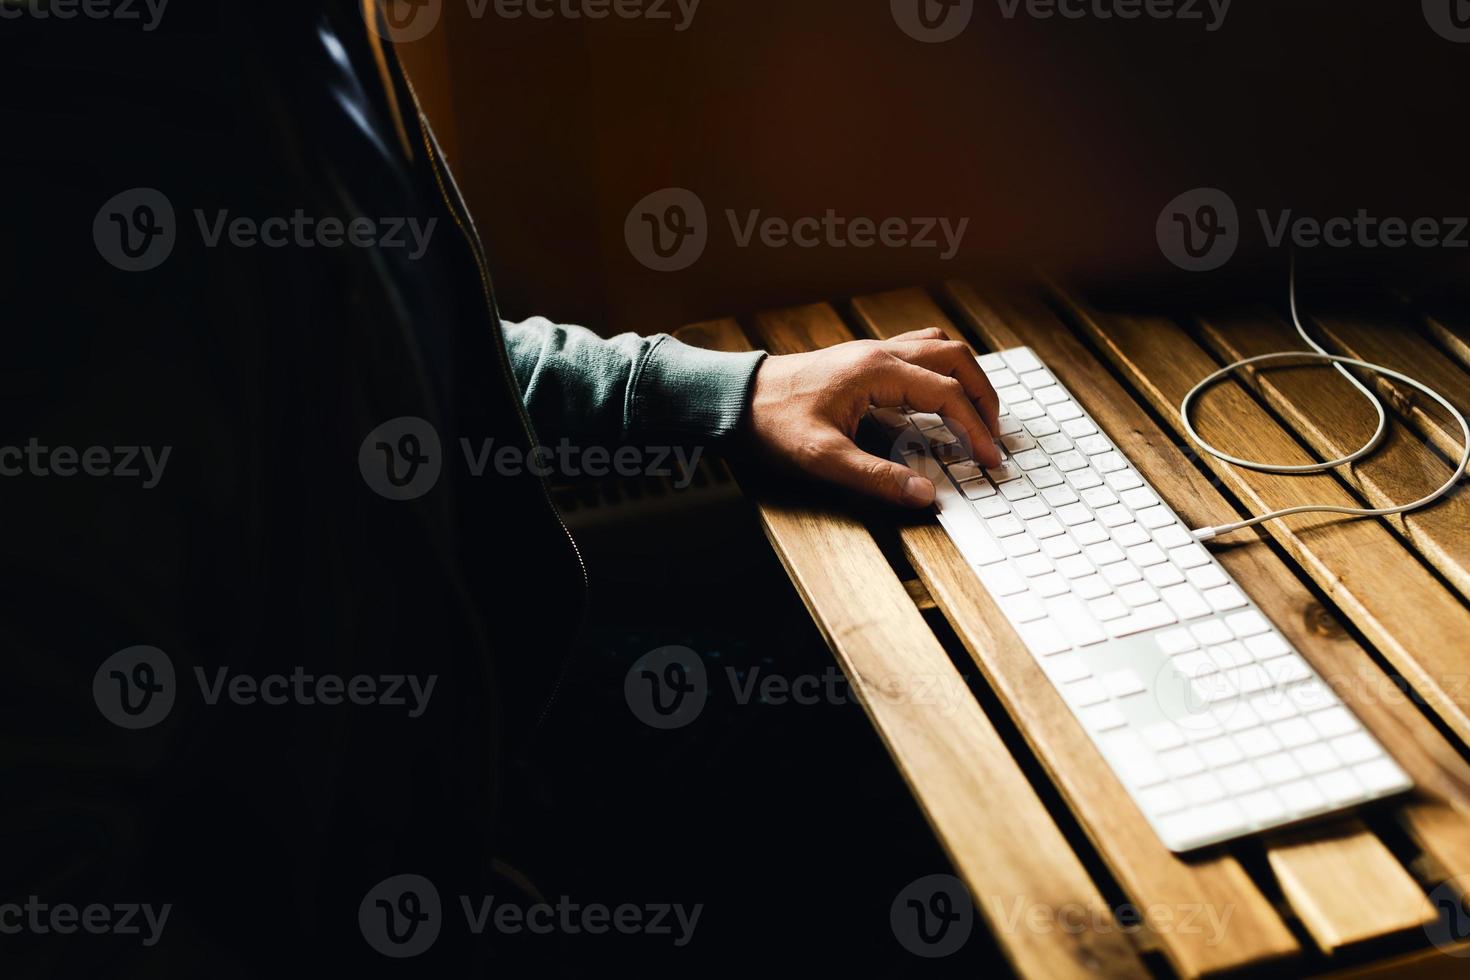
(1061, 140)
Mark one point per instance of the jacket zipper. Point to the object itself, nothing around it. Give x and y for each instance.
(467, 228)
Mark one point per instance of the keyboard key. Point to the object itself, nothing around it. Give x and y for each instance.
(1247, 623)
(1044, 639)
(1172, 536)
(1009, 425)
(1077, 428)
(1075, 566)
(1061, 547)
(1020, 545)
(1093, 445)
(1006, 525)
(1161, 575)
(1301, 797)
(1263, 807)
(1059, 496)
(1099, 497)
(1333, 722)
(1185, 601)
(1204, 788)
(1124, 480)
(1155, 517)
(1033, 565)
(1339, 787)
(1315, 759)
(1355, 748)
(1190, 556)
(1267, 646)
(926, 420)
(1103, 718)
(1120, 573)
(1257, 742)
(1084, 693)
(1045, 527)
(1241, 779)
(1181, 762)
(1279, 768)
(1029, 508)
(992, 506)
(1109, 607)
(1031, 459)
(1021, 360)
(1050, 585)
(1071, 613)
(1010, 394)
(1381, 776)
(1039, 378)
(1084, 479)
(977, 489)
(1161, 800)
(1055, 443)
(1294, 732)
(1091, 587)
(1208, 577)
(1138, 594)
(1041, 426)
(1110, 463)
(1144, 555)
(1287, 670)
(1176, 641)
(1002, 378)
(1225, 598)
(1074, 515)
(1139, 498)
(1002, 580)
(1104, 553)
(1123, 683)
(1045, 478)
(1065, 411)
(1211, 632)
(1162, 736)
(1064, 668)
(1115, 515)
(1027, 410)
(967, 470)
(1089, 533)
(1129, 535)
(1024, 607)
(1069, 461)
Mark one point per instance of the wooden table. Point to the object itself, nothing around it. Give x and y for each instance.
(1024, 806)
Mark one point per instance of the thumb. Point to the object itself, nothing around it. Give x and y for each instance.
(845, 464)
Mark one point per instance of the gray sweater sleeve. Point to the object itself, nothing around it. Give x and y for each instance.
(577, 385)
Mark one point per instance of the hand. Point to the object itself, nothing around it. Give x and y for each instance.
(806, 408)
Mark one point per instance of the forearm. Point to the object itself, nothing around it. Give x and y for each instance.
(578, 385)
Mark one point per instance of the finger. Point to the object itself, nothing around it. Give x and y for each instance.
(843, 463)
(955, 360)
(928, 391)
(928, 333)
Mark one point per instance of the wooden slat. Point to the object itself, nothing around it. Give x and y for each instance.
(1437, 816)
(1334, 419)
(1162, 885)
(1453, 335)
(1380, 338)
(984, 811)
(1345, 885)
(1411, 617)
(1384, 898)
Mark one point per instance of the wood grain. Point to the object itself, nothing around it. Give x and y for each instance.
(1334, 419)
(1437, 816)
(986, 814)
(1334, 916)
(1417, 623)
(1382, 338)
(1166, 888)
(1453, 335)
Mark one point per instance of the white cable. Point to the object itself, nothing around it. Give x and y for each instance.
(1320, 355)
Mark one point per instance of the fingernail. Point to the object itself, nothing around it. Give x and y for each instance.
(917, 490)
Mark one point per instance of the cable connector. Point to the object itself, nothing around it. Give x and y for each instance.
(1205, 533)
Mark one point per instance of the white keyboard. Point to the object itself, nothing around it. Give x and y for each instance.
(1214, 723)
